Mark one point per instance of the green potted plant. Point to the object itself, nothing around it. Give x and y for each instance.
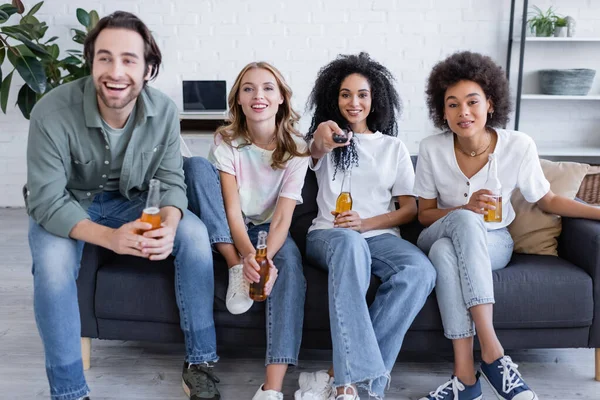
(541, 22)
(560, 26)
(35, 58)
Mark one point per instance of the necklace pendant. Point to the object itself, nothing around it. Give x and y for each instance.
(473, 154)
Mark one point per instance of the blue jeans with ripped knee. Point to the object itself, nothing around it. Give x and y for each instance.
(366, 340)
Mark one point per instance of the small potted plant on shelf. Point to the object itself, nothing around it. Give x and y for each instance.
(542, 22)
(560, 26)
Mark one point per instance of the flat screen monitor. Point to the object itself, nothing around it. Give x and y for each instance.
(204, 96)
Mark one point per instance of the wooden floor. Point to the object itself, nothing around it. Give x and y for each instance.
(135, 370)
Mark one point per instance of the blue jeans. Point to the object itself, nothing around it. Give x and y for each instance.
(367, 340)
(464, 253)
(285, 305)
(56, 262)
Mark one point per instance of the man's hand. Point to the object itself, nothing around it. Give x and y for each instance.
(347, 219)
(159, 243)
(126, 240)
(323, 139)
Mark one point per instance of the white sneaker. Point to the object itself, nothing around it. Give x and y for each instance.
(238, 300)
(315, 386)
(267, 394)
(348, 396)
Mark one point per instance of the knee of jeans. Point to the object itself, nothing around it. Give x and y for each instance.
(198, 166)
(442, 253)
(193, 231)
(290, 255)
(466, 219)
(56, 264)
(347, 239)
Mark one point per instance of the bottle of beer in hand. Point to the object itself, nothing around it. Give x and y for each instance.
(344, 200)
(495, 199)
(257, 290)
(151, 211)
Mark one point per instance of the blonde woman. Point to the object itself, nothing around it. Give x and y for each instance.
(261, 161)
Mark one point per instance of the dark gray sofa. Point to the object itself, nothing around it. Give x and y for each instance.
(541, 301)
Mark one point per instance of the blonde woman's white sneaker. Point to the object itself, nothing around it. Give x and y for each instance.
(267, 394)
(238, 299)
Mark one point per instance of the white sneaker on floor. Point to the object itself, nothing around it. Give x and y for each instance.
(348, 396)
(267, 394)
(238, 300)
(315, 386)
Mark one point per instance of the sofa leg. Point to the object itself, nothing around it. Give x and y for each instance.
(598, 365)
(86, 352)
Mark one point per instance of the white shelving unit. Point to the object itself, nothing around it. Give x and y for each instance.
(552, 97)
(559, 39)
(553, 120)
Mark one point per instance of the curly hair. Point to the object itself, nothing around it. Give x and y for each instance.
(468, 66)
(286, 119)
(324, 100)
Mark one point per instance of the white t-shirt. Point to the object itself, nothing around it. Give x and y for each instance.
(259, 185)
(439, 176)
(384, 171)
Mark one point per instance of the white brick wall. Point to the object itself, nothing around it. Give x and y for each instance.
(213, 39)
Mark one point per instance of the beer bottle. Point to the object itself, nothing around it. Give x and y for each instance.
(257, 290)
(151, 211)
(495, 199)
(344, 200)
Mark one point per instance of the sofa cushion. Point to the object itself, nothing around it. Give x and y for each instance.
(155, 283)
(542, 292)
(522, 291)
(534, 231)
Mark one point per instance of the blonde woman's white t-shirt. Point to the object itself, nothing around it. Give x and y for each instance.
(439, 177)
(384, 172)
(259, 185)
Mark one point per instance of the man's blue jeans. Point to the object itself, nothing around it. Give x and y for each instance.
(56, 263)
(367, 340)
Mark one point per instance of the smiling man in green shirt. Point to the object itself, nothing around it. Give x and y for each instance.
(94, 144)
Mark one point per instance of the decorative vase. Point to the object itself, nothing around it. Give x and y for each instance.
(560, 31)
(571, 25)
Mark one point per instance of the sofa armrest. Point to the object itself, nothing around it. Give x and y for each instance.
(92, 258)
(579, 243)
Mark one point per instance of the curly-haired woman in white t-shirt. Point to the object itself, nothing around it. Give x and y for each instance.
(468, 97)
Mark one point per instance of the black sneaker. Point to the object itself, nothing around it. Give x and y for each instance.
(199, 381)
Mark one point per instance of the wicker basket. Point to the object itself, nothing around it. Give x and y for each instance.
(574, 82)
(590, 189)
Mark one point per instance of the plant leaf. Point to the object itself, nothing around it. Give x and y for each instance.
(4, 91)
(54, 50)
(21, 51)
(18, 4)
(2, 54)
(26, 99)
(83, 17)
(9, 9)
(94, 18)
(34, 47)
(32, 72)
(52, 39)
(3, 17)
(35, 8)
(17, 29)
(71, 60)
(29, 20)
